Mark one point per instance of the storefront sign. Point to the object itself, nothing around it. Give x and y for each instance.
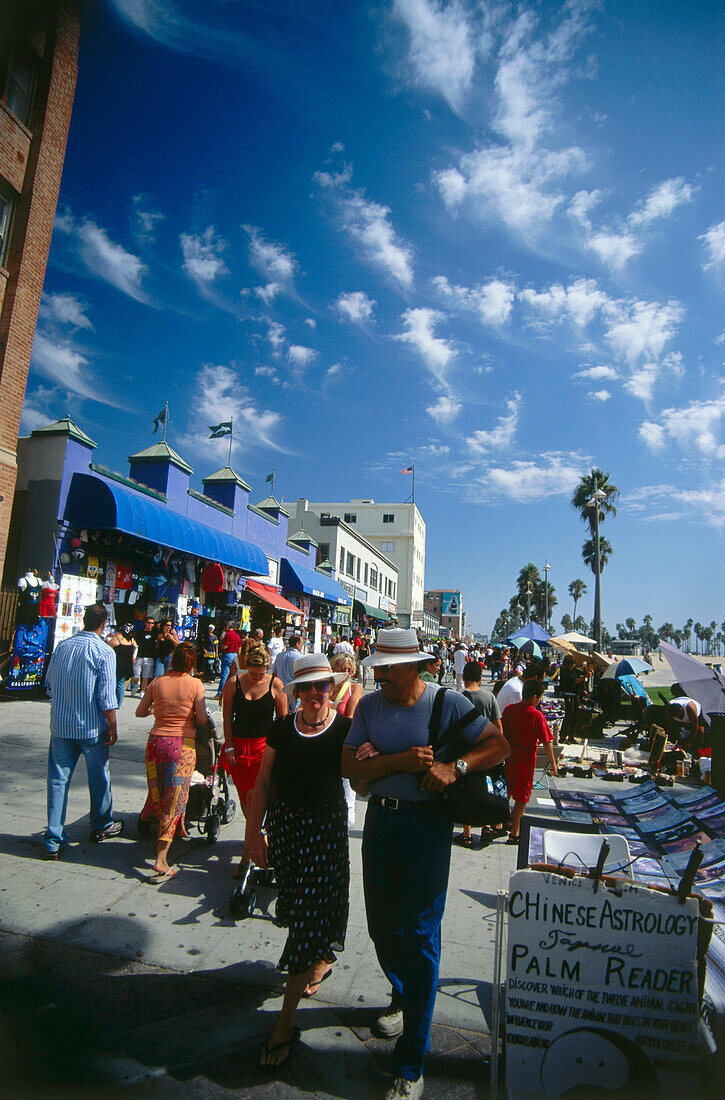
(349, 588)
(601, 989)
(383, 603)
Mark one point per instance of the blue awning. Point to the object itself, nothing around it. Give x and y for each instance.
(298, 578)
(100, 504)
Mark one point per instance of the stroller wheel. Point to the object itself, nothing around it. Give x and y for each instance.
(144, 827)
(242, 903)
(212, 828)
(230, 811)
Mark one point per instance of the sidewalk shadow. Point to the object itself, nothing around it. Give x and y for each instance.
(77, 1023)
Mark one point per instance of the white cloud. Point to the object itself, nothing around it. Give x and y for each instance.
(598, 374)
(203, 255)
(268, 293)
(441, 55)
(217, 394)
(276, 336)
(63, 309)
(273, 261)
(639, 330)
(355, 306)
(698, 426)
(300, 357)
(445, 410)
(706, 504)
(68, 367)
(578, 303)
(264, 371)
(492, 301)
(311, 323)
(599, 395)
(662, 201)
(146, 219)
(35, 412)
(614, 249)
(581, 204)
(104, 258)
(526, 481)
(334, 370)
(368, 223)
(714, 240)
(435, 352)
(503, 434)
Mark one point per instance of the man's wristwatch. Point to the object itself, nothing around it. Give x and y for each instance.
(461, 767)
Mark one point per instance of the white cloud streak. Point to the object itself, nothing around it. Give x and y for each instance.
(64, 309)
(436, 353)
(441, 54)
(714, 241)
(103, 257)
(503, 434)
(492, 301)
(203, 256)
(355, 306)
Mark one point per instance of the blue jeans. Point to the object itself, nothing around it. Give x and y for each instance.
(406, 858)
(120, 690)
(63, 755)
(227, 662)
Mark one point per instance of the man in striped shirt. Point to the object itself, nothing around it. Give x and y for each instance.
(81, 680)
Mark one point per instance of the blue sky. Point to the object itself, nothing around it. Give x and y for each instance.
(487, 239)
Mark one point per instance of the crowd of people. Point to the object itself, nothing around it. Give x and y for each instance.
(301, 741)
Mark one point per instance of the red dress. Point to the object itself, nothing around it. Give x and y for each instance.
(524, 727)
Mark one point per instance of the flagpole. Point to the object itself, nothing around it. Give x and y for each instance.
(412, 495)
(166, 417)
(231, 437)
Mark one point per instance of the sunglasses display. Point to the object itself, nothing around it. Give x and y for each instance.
(320, 686)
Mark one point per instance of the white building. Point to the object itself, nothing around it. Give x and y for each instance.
(398, 532)
(366, 574)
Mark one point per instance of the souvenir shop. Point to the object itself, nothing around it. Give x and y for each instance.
(325, 605)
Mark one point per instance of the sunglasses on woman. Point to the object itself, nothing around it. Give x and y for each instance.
(320, 686)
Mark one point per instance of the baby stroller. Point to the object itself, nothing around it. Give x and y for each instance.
(209, 805)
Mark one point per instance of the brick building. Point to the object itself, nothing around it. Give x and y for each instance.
(38, 67)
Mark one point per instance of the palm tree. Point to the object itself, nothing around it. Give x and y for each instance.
(687, 632)
(666, 631)
(678, 638)
(526, 584)
(576, 591)
(697, 631)
(567, 623)
(596, 481)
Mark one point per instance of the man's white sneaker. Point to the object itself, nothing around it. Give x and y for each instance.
(389, 1024)
(402, 1089)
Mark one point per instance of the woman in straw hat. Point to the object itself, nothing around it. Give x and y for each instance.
(307, 834)
(345, 700)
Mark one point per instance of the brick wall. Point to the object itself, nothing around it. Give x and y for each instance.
(56, 31)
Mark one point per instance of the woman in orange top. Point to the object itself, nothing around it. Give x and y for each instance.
(175, 699)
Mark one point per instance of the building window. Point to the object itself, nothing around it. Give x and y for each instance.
(342, 560)
(350, 564)
(20, 89)
(373, 577)
(387, 547)
(366, 575)
(393, 586)
(6, 216)
(357, 572)
(350, 517)
(388, 517)
(323, 552)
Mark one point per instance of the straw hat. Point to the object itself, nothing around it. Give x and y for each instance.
(312, 667)
(396, 646)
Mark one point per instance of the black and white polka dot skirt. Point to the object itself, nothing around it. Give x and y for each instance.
(309, 852)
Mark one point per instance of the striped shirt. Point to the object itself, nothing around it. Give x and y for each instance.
(81, 679)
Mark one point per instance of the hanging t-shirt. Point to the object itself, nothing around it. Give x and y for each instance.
(212, 578)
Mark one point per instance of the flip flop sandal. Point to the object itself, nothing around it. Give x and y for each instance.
(512, 840)
(310, 991)
(267, 1049)
(463, 841)
(163, 876)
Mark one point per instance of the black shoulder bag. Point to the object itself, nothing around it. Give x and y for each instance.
(477, 798)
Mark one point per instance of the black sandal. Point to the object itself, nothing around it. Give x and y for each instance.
(267, 1049)
(463, 841)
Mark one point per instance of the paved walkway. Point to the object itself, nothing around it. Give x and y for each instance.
(109, 981)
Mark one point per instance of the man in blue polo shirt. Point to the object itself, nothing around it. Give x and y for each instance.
(81, 680)
(406, 849)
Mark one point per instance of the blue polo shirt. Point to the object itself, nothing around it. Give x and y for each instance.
(81, 679)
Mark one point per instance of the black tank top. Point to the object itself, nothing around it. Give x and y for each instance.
(252, 718)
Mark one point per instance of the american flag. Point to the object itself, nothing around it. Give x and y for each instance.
(407, 470)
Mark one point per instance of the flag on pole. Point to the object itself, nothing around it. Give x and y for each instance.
(160, 419)
(219, 430)
(407, 470)
(270, 477)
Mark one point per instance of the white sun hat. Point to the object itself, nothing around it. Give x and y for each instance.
(396, 646)
(312, 667)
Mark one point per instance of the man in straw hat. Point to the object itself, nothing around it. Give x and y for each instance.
(406, 848)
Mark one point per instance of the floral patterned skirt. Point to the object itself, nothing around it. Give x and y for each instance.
(169, 766)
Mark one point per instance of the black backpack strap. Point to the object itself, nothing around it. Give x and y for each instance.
(434, 725)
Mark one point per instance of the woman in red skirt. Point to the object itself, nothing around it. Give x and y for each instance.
(249, 704)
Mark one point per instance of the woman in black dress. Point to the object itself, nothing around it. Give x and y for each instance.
(307, 834)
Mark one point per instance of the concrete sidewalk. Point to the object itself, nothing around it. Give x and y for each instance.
(109, 981)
